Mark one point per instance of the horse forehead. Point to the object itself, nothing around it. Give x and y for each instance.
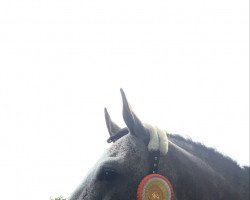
(128, 146)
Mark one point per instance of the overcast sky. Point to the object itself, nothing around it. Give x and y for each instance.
(183, 65)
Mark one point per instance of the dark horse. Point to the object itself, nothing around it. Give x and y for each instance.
(194, 171)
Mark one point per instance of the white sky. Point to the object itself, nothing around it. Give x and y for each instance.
(183, 65)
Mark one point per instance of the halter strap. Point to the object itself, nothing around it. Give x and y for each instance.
(118, 135)
(154, 159)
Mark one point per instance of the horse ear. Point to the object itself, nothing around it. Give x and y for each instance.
(133, 123)
(113, 128)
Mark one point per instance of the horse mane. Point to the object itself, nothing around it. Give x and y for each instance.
(222, 164)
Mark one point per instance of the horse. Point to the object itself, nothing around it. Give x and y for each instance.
(189, 170)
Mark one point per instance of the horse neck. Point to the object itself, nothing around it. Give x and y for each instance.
(190, 175)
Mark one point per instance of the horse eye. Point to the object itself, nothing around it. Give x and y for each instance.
(107, 174)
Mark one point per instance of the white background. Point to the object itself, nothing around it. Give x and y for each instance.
(183, 65)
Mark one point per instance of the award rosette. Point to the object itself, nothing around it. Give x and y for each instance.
(155, 187)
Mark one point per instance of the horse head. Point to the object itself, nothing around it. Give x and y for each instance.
(119, 172)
